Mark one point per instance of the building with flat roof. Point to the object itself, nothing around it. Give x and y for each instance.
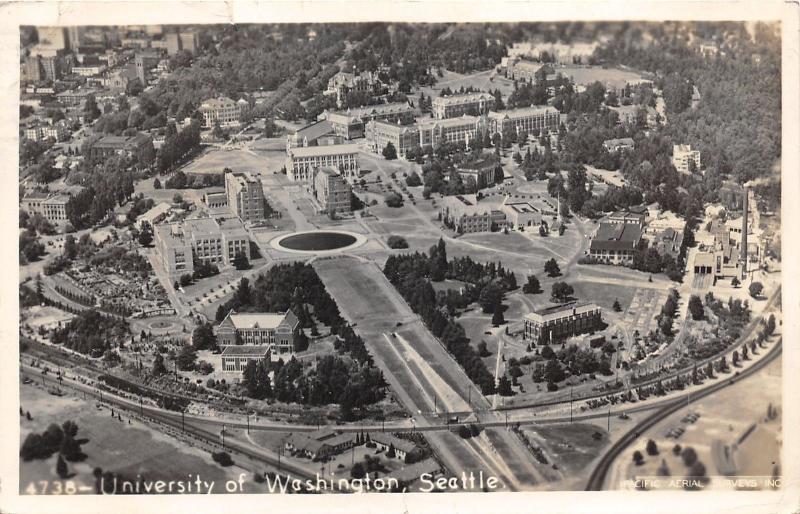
(615, 243)
(236, 358)
(330, 191)
(453, 130)
(520, 214)
(302, 161)
(223, 110)
(245, 195)
(465, 215)
(483, 170)
(54, 209)
(216, 199)
(453, 106)
(557, 323)
(525, 119)
(58, 131)
(380, 133)
(633, 215)
(209, 240)
(272, 330)
(682, 155)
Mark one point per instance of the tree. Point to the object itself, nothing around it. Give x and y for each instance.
(504, 387)
(663, 469)
(203, 337)
(689, 456)
(390, 453)
(158, 365)
(186, 358)
(240, 261)
(482, 350)
(617, 307)
(389, 152)
(769, 328)
(146, 235)
(490, 297)
(357, 471)
(413, 180)
(561, 291)
(394, 200)
(256, 379)
(696, 307)
(735, 282)
(497, 317)
(551, 268)
(638, 458)
(156, 183)
(532, 286)
(755, 289)
(185, 279)
(651, 448)
(61, 467)
(90, 109)
(396, 242)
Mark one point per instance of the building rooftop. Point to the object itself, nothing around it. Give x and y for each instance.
(558, 311)
(523, 112)
(156, 211)
(389, 439)
(485, 160)
(616, 236)
(250, 320)
(201, 227)
(627, 141)
(313, 151)
(462, 98)
(449, 122)
(245, 351)
(313, 131)
(216, 103)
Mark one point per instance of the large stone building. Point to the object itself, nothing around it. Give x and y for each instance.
(245, 195)
(403, 137)
(454, 130)
(615, 243)
(319, 133)
(521, 69)
(557, 323)
(58, 131)
(351, 124)
(453, 106)
(276, 331)
(520, 215)
(682, 155)
(301, 162)
(211, 241)
(527, 119)
(330, 191)
(483, 170)
(465, 215)
(223, 110)
(144, 62)
(344, 83)
(119, 145)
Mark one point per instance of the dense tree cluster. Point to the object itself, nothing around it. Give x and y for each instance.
(91, 333)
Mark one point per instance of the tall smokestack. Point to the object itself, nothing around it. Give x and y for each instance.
(745, 213)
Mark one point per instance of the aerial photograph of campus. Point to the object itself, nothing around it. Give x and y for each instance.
(400, 257)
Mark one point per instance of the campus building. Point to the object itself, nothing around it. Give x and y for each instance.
(631, 216)
(330, 191)
(274, 331)
(144, 62)
(401, 447)
(58, 131)
(245, 196)
(53, 207)
(682, 155)
(212, 241)
(351, 124)
(344, 83)
(521, 69)
(223, 110)
(552, 324)
(236, 358)
(465, 215)
(453, 106)
(454, 130)
(618, 145)
(380, 133)
(119, 145)
(520, 214)
(526, 119)
(178, 40)
(615, 243)
(301, 162)
(318, 445)
(482, 170)
(316, 134)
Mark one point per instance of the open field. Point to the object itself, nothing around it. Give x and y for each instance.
(571, 445)
(128, 447)
(585, 75)
(724, 416)
(214, 160)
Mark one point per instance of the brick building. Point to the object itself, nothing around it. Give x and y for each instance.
(552, 324)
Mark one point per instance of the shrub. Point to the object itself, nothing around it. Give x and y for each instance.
(222, 458)
(396, 242)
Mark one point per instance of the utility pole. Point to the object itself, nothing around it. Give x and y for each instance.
(570, 404)
(141, 406)
(248, 420)
(435, 410)
(223, 436)
(183, 422)
(608, 428)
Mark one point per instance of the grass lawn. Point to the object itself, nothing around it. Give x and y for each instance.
(603, 294)
(571, 445)
(113, 445)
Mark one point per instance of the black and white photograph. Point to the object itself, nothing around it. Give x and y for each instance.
(399, 257)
